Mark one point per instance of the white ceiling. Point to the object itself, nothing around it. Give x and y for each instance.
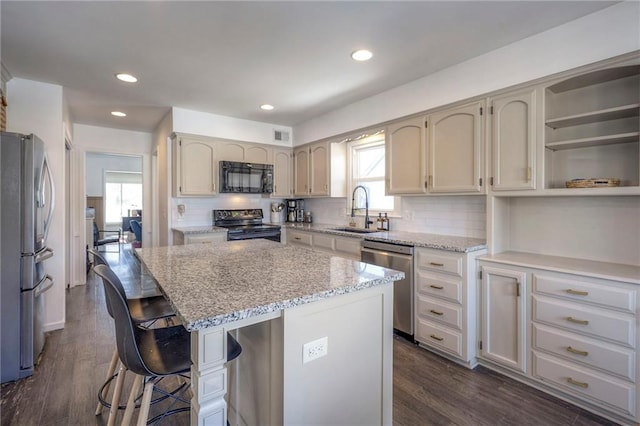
(227, 58)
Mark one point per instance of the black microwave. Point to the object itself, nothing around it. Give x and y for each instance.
(246, 178)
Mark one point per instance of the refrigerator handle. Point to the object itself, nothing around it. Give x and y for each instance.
(47, 222)
(41, 288)
(44, 254)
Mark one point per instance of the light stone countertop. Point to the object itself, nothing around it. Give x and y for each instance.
(416, 239)
(214, 284)
(199, 229)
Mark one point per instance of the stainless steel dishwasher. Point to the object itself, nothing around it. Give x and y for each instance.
(400, 258)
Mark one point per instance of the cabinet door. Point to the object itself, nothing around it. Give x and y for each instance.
(406, 157)
(455, 149)
(282, 166)
(230, 151)
(197, 167)
(301, 162)
(503, 317)
(513, 137)
(257, 154)
(319, 169)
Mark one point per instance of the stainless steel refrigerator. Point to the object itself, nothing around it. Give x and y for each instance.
(25, 217)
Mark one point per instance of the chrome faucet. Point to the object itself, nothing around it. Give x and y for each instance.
(367, 222)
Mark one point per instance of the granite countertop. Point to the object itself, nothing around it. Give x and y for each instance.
(199, 229)
(210, 285)
(416, 239)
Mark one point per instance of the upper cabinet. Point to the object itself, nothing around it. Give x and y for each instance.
(455, 149)
(405, 156)
(513, 141)
(320, 170)
(592, 128)
(441, 154)
(282, 173)
(195, 166)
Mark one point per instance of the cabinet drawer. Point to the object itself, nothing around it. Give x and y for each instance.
(205, 238)
(447, 340)
(581, 289)
(583, 382)
(324, 242)
(349, 245)
(437, 260)
(299, 238)
(595, 322)
(613, 359)
(439, 285)
(439, 311)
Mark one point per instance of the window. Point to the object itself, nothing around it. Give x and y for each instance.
(367, 168)
(123, 192)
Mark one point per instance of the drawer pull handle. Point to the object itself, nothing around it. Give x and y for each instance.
(435, 312)
(577, 383)
(296, 238)
(437, 287)
(436, 264)
(576, 351)
(577, 292)
(577, 321)
(434, 337)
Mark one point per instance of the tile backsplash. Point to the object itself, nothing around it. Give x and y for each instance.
(446, 215)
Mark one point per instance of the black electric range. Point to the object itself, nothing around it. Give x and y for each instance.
(245, 225)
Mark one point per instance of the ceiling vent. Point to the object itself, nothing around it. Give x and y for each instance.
(280, 136)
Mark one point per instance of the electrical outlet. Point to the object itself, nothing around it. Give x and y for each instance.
(314, 350)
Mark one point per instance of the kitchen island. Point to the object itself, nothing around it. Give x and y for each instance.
(316, 332)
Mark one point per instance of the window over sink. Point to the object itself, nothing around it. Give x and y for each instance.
(366, 167)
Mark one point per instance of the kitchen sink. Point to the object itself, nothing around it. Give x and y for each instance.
(355, 230)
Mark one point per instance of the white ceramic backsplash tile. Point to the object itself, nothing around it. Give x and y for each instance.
(463, 216)
(198, 211)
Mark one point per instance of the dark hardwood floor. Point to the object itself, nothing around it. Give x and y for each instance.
(428, 390)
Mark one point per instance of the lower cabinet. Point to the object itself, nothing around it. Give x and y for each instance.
(181, 238)
(339, 245)
(579, 339)
(445, 301)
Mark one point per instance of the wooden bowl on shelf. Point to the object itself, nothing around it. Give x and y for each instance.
(592, 183)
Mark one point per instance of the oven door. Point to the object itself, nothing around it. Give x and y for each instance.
(272, 235)
(237, 177)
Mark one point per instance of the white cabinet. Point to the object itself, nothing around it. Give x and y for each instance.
(439, 154)
(513, 141)
(503, 316)
(455, 149)
(592, 128)
(230, 150)
(282, 173)
(445, 301)
(183, 238)
(405, 157)
(320, 170)
(195, 166)
(241, 151)
(342, 246)
(580, 338)
(260, 154)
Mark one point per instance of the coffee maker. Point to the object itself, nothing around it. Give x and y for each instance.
(295, 210)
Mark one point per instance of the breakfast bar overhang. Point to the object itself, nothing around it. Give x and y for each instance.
(316, 332)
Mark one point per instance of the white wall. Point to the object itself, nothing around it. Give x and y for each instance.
(98, 164)
(601, 35)
(162, 178)
(113, 141)
(36, 107)
(206, 124)
(463, 216)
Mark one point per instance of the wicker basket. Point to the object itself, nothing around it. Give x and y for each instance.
(592, 183)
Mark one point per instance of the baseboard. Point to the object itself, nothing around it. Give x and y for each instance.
(53, 326)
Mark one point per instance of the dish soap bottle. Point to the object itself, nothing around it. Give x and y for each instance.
(385, 223)
(379, 225)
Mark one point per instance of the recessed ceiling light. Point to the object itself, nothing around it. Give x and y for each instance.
(118, 113)
(267, 107)
(127, 78)
(361, 55)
